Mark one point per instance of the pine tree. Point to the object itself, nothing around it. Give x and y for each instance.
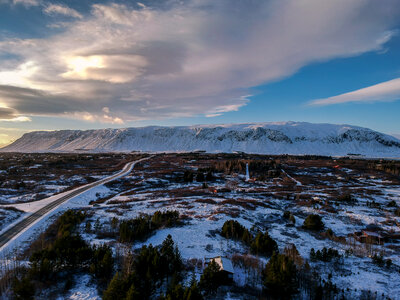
(23, 289)
(200, 177)
(313, 222)
(132, 293)
(193, 292)
(116, 288)
(279, 277)
(210, 279)
(263, 244)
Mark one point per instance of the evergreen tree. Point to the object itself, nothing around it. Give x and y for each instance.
(210, 280)
(279, 277)
(263, 244)
(209, 176)
(313, 222)
(133, 293)
(116, 288)
(188, 176)
(200, 177)
(193, 292)
(23, 289)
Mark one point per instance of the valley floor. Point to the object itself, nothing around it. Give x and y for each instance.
(357, 200)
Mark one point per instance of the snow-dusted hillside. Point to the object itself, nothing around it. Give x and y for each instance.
(266, 138)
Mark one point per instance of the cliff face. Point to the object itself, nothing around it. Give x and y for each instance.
(263, 138)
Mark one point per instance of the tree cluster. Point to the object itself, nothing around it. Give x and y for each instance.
(380, 261)
(232, 229)
(325, 255)
(373, 204)
(190, 176)
(313, 222)
(180, 292)
(260, 244)
(286, 274)
(151, 268)
(256, 167)
(391, 167)
(64, 252)
(143, 226)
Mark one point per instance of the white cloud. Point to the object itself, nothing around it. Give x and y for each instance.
(385, 91)
(17, 119)
(26, 3)
(59, 9)
(8, 114)
(199, 57)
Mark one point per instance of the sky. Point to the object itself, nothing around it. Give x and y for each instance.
(84, 64)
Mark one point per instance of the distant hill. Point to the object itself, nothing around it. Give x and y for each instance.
(264, 138)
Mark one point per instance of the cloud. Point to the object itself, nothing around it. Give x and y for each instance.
(184, 58)
(385, 91)
(26, 3)
(10, 115)
(59, 9)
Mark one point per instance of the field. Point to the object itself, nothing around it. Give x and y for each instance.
(357, 201)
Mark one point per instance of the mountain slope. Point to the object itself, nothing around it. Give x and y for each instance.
(268, 138)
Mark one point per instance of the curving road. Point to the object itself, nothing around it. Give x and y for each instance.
(15, 230)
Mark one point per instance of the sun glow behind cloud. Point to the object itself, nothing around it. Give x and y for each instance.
(78, 66)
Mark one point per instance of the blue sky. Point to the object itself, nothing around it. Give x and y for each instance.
(94, 64)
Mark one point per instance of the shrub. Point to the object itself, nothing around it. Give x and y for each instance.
(397, 212)
(286, 214)
(292, 219)
(346, 198)
(378, 260)
(188, 176)
(313, 222)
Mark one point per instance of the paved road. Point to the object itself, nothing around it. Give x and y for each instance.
(9, 234)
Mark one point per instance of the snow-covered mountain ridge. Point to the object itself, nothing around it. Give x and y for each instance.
(264, 138)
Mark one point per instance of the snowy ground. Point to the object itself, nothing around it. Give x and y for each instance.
(154, 186)
(83, 289)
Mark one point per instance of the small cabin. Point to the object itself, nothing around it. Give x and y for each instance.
(224, 263)
(371, 237)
